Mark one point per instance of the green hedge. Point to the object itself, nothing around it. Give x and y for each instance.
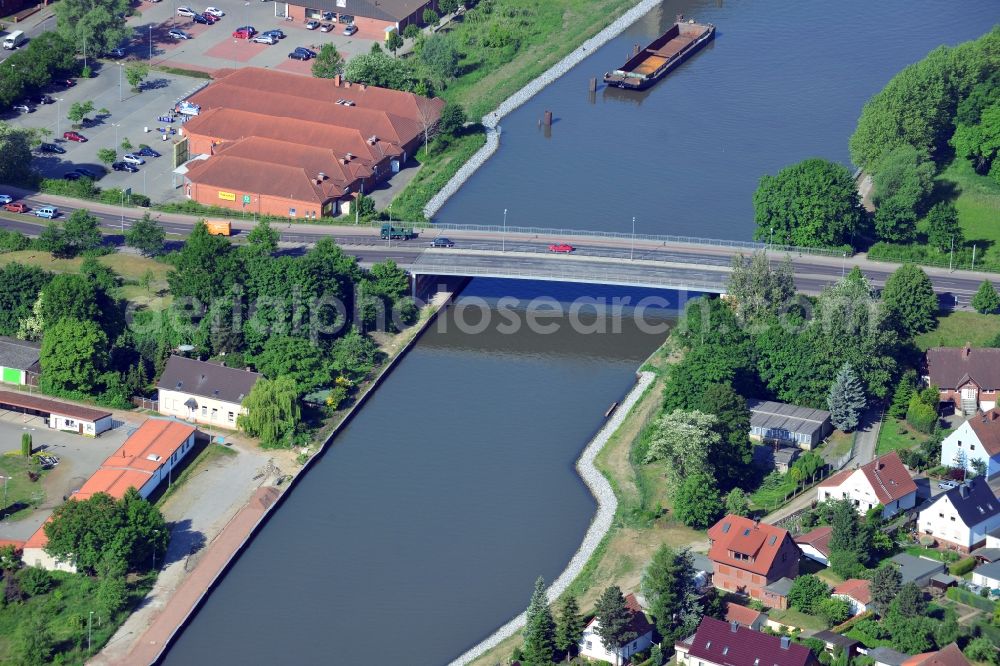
(970, 599)
(962, 567)
(921, 254)
(87, 190)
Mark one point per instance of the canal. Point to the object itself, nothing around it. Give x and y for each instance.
(782, 81)
(423, 528)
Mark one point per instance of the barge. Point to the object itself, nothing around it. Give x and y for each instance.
(665, 53)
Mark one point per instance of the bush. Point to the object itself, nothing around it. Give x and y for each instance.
(970, 599)
(34, 581)
(12, 241)
(962, 567)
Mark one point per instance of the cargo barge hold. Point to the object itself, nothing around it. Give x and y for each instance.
(664, 54)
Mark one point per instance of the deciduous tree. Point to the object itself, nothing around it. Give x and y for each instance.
(683, 440)
(733, 452)
(452, 120)
(394, 42)
(696, 502)
(273, 412)
(107, 155)
(20, 286)
(328, 63)
(758, 290)
(910, 299)
(943, 230)
(135, 73)
(295, 358)
(15, 146)
(147, 235)
(93, 26)
(986, 299)
(903, 181)
(73, 357)
(806, 593)
(737, 503)
(81, 233)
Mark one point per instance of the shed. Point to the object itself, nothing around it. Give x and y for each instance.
(781, 423)
(19, 361)
(943, 581)
(58, 415)
(917, 569)
(776, 594)
(887, 657)
(986, 555)
(833, 641)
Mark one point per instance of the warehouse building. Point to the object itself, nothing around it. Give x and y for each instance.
(372, 17)
(19, 361)
(58, 415)
(781, 423)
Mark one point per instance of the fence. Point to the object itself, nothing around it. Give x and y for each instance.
(146, 403)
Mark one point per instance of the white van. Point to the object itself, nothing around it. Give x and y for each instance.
(14, 39)
(188, 108)
(49, 212)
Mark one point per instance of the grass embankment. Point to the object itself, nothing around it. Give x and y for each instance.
(641, 523)
(22, 494)
(435, 171)
(956, 328)
(131, 267)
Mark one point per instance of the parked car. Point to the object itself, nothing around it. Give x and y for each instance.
(215, 11)
(350, 29)
(947, 485)
(198, 18)
(72, 175)
(116, 54)
(265, 39)
(23, 108)
(277, 34)
(88, 173)
(327, 16)
(249, 28)
(325, 27)
(298, 55)
(242, 33)
(74, 136)
(185, 11)
(49, 212)
(308, 52)
(124, 166)
(312, 25)
(5, 198)
(146, 151)
(51, 148)
(16, 207)
(132, 158)
(179, 34)
(441, 241)
(42, 99)
(561, 248)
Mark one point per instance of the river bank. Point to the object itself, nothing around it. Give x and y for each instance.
(179, 605)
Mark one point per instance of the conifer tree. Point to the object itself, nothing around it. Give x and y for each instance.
(539, 628)
(846, 399)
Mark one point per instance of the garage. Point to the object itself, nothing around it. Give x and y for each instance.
(58, 415)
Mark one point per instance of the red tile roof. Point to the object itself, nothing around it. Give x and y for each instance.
(856, 588)
(818, 538)
(759, 541)
(39, 538)
(720, 642)
(247, 175)
(987, 429)
(886, 475)
(639, 623)
(741, 614)
(148, 448)
(949, 655)
(17, 543)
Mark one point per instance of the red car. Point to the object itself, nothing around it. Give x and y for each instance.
(210, 19)
(243, 33)
(74, 136)
(16, 207)
(561, 248)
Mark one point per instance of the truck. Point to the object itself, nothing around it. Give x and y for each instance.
(219, 227)
(396, 233)
(14, 39)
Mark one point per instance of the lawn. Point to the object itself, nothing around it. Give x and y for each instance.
(931, 553)
(895, 435)
(978, 204)
(837, 445)
(435, 170)
(773, 492)
(21, 492)
(798, 619)
(957, 328)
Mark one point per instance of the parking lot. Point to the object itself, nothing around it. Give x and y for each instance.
(78, 458)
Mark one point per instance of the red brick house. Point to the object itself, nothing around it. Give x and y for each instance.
(748, 555)
(966, 377)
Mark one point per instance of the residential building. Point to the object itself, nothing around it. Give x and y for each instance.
(203, 392)
(966, 377)
(856, 592)
(917, 570)
(949, 655)
(993, 539)
(834, 642)
(884, 656)
(748, 555)
(986, 554)
(882, 481)
(718, 643)
(779, 423)
(745, 616)
(592, 647)
(976, 439)
(19, 361)
(816, 544)
(59, 415)
(987, 575)
(372, 17)
(961, 517)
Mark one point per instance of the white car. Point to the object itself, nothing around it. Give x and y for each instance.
(312, 25)
(6, 198)
(185, 11)
(350, 29)
(215, 11)
(179, 34)
(129, 158)
(264, 39)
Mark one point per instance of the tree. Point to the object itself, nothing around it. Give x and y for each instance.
(126, 145)
(107, 155)
(834, 611)
(737, 503)
(273, 412)
(95, 27)
(328, 63)
(411, 31)
(85, 531)
(78, 111)
(982, 650)
(388, 280)
(903, 181)
(909, 602)
(757, 289)
(297, 359)
(910, 299)
(539, 628)
(656, 655)
(697, 503)
(885, 585)
(613, 619)
(846, 400)
(380, 69)
(20, 286)
(81, 233)
(354, 355)
(70, 297)
(204, 266)
(669, 586)
(812, 204)
(986, 299)
(733, 452)
(15, 146)
(448, 6)
(26, 445)
(147, 235)
(394, 42)
(453, 119)
(73, 357)
(440, 57)
(569, 628)
(33, 643)
(682, 440)
(901, 396)
(135, 73)
(943, 230)
(112, 594)
(806, 593)
(430, 16)
(979, 142)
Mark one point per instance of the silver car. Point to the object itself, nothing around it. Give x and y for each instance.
(264, 39)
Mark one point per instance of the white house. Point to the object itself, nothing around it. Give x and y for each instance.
(988, 575)
(592, 647)
(883, 481)
(203, 392)
(962, 517)
(976, 439)
(856, 592)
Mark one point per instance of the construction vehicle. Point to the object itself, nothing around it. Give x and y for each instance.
(390, 232)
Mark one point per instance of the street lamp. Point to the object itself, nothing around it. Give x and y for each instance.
(631, 254)
(151, 43)
(90, 625)
(155, 533)
(5, 492)
(121, 95)
(58, 115)
(503, 237)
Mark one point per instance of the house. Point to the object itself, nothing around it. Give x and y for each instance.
(882, 481)
(203, 392)
(976, 439)
(816, 544)
(917, 570)
(718, 643)
(19, 361)
(856, 592)
(961, 517)
(966, 377)
(34, 555)
(748, 555)
(779, 423)
(884, 656)
(985, 555)
(592, 647)
(58, 415)
(949, 655)
(745, 616)
(987, 575)
(993, 538)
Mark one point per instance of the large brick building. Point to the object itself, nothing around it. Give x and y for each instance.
(748, 555)
(287, 145)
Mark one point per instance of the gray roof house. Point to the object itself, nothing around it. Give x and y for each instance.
(887, 657)
(19, 361)
(919, 570)
(987, 575)
(203, 392)
(781, 423)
